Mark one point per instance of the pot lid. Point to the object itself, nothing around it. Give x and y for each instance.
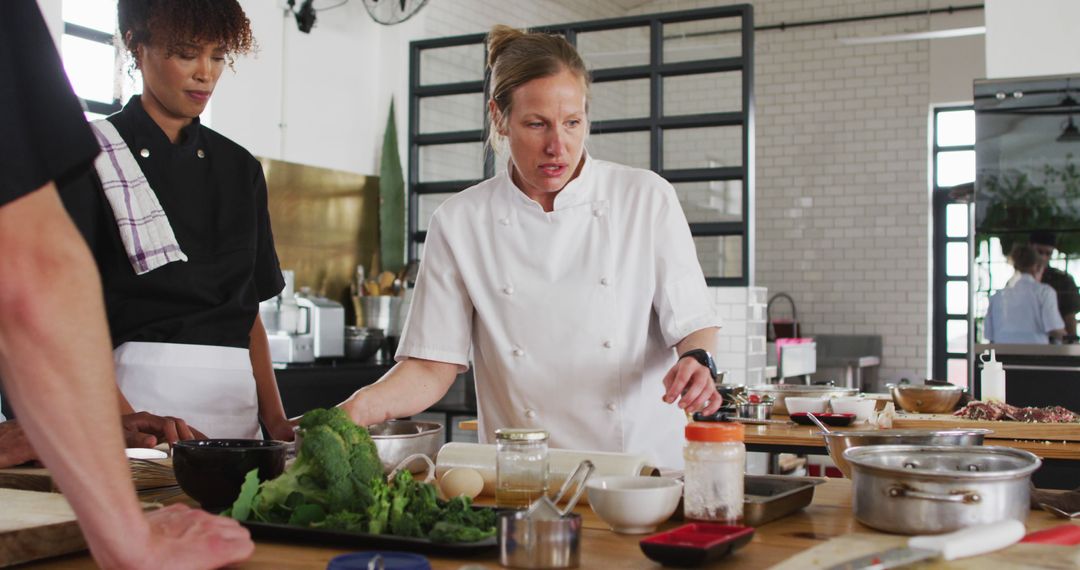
(970, 463)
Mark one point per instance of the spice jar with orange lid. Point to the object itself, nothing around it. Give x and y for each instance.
(715, 462)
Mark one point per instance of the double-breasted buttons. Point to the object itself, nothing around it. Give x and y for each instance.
(504, 221)
(611, 407)
(508, 290)
(518, 352)
(605, 281)
(145, 153)
(608, 344)
(530, 414)
(199, 153)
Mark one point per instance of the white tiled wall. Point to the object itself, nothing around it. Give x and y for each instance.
(741, 346)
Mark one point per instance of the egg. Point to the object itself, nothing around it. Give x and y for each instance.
(461, 481)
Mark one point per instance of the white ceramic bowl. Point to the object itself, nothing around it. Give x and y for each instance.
(861, 407)
(796, 405)
(634, 505)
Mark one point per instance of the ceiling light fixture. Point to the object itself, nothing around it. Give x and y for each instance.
(914, 36)
(1071, 133)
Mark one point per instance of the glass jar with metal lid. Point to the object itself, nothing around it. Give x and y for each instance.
(521, 466)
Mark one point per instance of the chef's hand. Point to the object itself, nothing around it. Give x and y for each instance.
(143, 429)
(182, 537)
(282, 429)
(14, 447)
(692, 385)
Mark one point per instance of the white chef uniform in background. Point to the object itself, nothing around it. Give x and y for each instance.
(571, 315)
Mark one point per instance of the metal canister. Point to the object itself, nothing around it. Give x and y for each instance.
(531, 543)
(521, 467)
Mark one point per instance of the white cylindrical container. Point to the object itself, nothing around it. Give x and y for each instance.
(992, 380)
(715, 463)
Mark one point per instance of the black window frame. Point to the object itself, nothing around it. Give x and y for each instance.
(941, 198)
(655, 124)
(91, 105)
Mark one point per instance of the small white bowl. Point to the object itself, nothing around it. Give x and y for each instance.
(634, 505)
(861, 407)
(801, 404)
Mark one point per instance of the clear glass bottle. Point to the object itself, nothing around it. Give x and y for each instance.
(521, 467)
(715, 463)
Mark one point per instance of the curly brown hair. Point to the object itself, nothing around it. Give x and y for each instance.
(177, 23)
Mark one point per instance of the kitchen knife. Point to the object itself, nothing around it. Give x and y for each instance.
(970, 541)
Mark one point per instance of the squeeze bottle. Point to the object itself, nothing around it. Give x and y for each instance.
(992, 381)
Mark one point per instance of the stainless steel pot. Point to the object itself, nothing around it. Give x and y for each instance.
(910, 489)
(778, 392)
(837, 442)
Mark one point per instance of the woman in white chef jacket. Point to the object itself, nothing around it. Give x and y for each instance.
(572, 281)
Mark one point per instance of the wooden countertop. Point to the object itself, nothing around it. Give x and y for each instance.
(827, 517)
(794, 435)
(808, 436)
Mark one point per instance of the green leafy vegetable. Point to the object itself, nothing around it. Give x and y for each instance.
(336, 482)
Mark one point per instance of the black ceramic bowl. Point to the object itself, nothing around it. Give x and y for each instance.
(211, 471)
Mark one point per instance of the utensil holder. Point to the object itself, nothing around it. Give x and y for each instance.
(527, 543)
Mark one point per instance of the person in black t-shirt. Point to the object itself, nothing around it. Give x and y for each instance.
(1063, 284)
(183, 311)
(54, 348)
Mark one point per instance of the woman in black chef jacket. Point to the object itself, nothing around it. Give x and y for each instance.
(177, 218)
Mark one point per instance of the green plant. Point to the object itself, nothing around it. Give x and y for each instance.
(1015, 202)
(392, 226)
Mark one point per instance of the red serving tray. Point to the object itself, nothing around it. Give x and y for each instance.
(695, 543)
(834, 420)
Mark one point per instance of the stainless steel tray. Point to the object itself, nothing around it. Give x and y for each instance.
(770, 497)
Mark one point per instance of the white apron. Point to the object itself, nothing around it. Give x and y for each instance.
(212, 388)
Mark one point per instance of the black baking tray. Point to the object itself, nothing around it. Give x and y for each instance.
(770, 497)
(344, 539)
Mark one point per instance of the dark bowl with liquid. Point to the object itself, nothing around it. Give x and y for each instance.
(211, 471)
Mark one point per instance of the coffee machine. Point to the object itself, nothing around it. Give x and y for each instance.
(327, 323)
(288, 325)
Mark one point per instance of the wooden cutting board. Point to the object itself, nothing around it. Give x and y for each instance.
(1002, 429)
(38, 478)
(35, 525)
(1017, 556)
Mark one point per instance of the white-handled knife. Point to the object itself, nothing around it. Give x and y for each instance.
(971, 541)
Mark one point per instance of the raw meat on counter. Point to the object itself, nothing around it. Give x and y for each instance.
(994, 411)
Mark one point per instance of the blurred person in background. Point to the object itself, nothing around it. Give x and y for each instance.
(1068, 298)
(1025, 311)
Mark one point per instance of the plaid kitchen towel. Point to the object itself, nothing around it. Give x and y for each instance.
(144, 228)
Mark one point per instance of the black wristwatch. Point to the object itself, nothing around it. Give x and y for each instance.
(702, 356)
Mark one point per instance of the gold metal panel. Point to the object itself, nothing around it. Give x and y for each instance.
(325, 223)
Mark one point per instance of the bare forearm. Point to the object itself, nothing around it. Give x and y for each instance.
(704, 338)
(271, 410)
(410, 387)
(62, 386)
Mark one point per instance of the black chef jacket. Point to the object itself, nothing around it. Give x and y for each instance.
(214, 194)
(43, 133)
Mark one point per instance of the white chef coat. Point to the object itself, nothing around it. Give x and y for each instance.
(571, 315)
(1023, 312)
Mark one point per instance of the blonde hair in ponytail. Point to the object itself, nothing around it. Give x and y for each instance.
(516, 57)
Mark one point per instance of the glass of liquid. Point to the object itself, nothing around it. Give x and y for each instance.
(521, 467)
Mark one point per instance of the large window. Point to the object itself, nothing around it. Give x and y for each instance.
(672, 92)
(953, 187)
(93, 63)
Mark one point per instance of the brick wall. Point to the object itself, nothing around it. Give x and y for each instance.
(841, 193)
